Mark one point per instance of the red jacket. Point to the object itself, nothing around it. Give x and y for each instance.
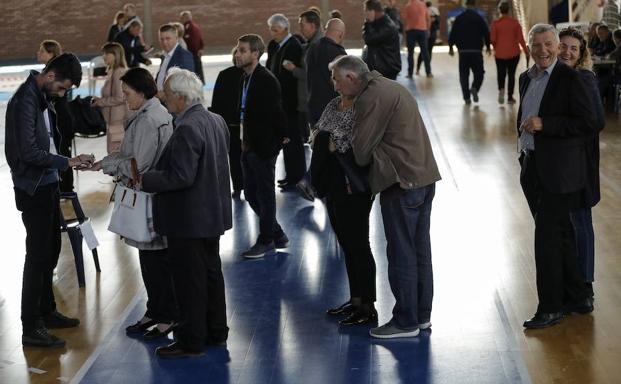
(507, 38)
(193, 37)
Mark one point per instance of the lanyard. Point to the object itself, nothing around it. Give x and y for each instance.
(244, 96)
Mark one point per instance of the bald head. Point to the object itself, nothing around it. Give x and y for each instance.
(335, 30)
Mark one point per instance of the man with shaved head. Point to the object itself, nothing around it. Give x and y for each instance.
(318, 77)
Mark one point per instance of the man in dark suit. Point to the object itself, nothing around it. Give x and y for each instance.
(192, 208)
(130, 39)
(555, 118)
(225, 102)
(174, 56)
(263, 133)
(284, 49)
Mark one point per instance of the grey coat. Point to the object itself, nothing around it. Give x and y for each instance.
(191, 179)
(145, 137)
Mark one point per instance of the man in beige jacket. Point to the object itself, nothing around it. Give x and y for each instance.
(390, 136)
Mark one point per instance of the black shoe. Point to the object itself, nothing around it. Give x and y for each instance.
(281, 241)
(360, 317)
(282, 181)
(176, 350)
(236, 194)
(475, 94)
(56, 320)
(543, 320)
(215, 342)
(345, 309)
(140, 327)
(285, 187)
(39, 337)
(155, 333)
(583, 307)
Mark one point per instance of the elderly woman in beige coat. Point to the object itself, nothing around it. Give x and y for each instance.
(146, 135)
(112, 101)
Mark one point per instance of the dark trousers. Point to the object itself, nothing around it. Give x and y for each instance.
(197, 274)
(235, 158)
(41, 217)
(66, 176)
(407, 220)
(506, 68)
(161, 300)
(413, 37)
(585, 242)
(293, 152)
(259, 179)
(470, 61)
(349, 216)
(431, 41)
(304, 128)
(559, 281)
(198, 67)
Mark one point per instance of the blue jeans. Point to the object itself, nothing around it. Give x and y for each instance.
(259, 180)
(407, 219)
(583, 227)
(413, 37)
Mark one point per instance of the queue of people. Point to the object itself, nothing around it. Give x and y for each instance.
(308, 82)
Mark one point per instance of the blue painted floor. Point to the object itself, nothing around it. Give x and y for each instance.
(279, 332)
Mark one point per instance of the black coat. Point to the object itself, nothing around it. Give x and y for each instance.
(292, 51)
(192, 178)
(225, 99)
(265, 122)
(318, 76)
(112, 32)
(569, 119)
(383, 49)
(133, 55)
(469, 32)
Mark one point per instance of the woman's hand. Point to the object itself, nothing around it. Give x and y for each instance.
(95, 167)
(96, 101)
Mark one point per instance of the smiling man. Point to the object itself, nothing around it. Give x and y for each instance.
(555, 119)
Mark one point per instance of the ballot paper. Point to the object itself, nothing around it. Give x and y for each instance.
(88, 234)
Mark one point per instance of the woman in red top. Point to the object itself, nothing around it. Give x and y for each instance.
(507, 38)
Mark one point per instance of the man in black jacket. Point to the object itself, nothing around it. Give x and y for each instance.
(192, 208)
(469, 32)
(281, 50)
(263, 133)
(381, 36)
(34, 163)
(130, 39)
(555, 120)
(318, 76)
(225, 102)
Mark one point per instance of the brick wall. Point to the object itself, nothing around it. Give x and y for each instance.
(81, 26)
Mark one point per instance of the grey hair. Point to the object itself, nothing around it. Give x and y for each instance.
(542, 28)
(349, 63)
(186, 13)
(185, 84)
(278, 19)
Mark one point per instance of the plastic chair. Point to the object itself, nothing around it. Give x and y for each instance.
(75, 235)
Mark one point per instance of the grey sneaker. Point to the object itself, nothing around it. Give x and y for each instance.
(501, 96)
(475, 94)
(306, 191)
(390, 331)
(424, 325)
(259, 250)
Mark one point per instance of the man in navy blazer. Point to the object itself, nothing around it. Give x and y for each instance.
(174, 56)
(555, 120)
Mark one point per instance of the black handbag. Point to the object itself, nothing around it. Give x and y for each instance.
(356, 177)
(88, 120)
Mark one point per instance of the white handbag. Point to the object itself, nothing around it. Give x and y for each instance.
(132, 215)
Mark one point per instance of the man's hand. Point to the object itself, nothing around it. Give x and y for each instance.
(532, 124)
(285, 140)
(95, 167)
(331, 146)
(289, 66)
(82, 161)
